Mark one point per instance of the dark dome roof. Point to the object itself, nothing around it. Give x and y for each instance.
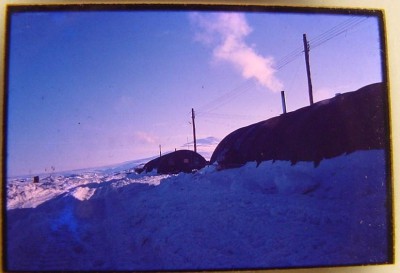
(175, 162)
(345, 123)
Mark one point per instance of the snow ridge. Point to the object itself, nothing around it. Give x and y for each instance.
(271, 216)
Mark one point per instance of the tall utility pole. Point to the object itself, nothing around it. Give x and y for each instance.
(194, 132)
(307, 56)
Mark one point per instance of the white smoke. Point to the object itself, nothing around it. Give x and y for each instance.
(226, 33)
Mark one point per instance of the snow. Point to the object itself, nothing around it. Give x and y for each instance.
(272, 216)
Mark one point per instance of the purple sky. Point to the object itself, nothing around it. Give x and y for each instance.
(95, 88)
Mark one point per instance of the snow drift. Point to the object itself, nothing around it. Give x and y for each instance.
(346, 123)
(273, 216)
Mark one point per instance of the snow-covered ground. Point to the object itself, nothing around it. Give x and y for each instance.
(271, 216)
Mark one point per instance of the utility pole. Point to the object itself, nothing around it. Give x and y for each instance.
(160, 149)
(307, 57)
(194, 132)
(283, 101)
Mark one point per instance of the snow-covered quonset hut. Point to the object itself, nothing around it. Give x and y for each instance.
(176, 162)
(346, 123)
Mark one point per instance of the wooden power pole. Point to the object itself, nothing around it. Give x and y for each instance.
(307, 57)
(194, 132)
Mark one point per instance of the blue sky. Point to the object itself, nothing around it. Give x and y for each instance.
(94, 88)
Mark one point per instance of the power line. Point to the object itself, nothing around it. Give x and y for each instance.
(321, 39)
(343, 25)
(336, 33)
(225, 98)
(299, 50)
(229, 116)
(288, 58)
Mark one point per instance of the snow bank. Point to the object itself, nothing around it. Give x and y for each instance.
(22, 193)
(271, 216)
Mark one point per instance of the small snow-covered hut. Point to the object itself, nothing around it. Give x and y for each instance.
(176, 162)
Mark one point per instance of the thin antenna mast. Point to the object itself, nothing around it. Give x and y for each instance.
(283, 101)
(194, 131)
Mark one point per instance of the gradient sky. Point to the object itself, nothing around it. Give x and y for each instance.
(94, 88)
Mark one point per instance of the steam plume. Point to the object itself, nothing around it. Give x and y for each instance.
(226, 33)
